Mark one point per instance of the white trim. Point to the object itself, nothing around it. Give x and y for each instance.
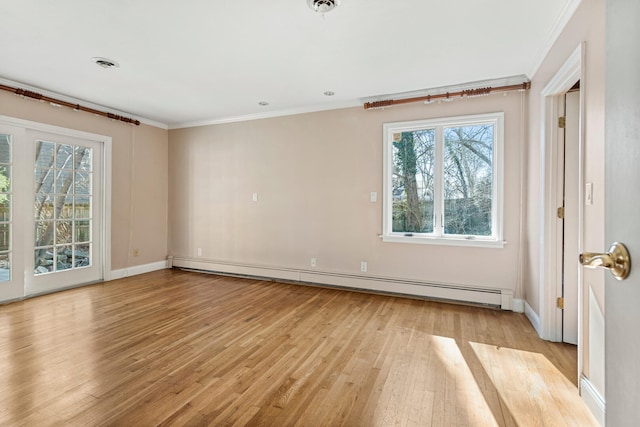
(593, 400)
(107, 144)
(518, 305)
(267, 114)
(564, 79)
(82, 102)
(533, 317)
(438, 236)
(137, 269)
(553, 35)
(445, 291)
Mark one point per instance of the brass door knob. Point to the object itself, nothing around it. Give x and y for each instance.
(617, 260)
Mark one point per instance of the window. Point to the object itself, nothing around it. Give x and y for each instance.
(443, 181)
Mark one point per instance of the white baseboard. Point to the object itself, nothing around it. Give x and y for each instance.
(136, 269)
(518, 305)
(593, 400)
(533, 318)
(445, 291)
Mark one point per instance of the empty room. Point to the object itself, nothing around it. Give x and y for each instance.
(318, 213)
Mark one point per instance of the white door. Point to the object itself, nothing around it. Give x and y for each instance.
(570, 192)
(622, 157)
(64, 232)
(51, 208)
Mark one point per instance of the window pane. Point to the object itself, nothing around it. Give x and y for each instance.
(83, 231)
(43, 260)
(64, 181)
(44, 154)
(64, 258)
(83, 159)
(412, 181)
(83, 207)
(64, 156)
(5, 178)
(64, 207)
(63, 232)
(44, 233)
(5, 149)
(43, 207)
(83, 183)
(5, 267)
(83, 255)
(43, 181)
(5, 237)
(5, 207)
(468, 180)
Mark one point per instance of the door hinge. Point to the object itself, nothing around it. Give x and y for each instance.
(562, 122)
(560, 303)
(561, 212)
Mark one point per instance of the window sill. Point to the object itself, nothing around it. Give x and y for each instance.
(445, 241)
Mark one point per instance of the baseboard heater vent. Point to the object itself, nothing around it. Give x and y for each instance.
(404, 287)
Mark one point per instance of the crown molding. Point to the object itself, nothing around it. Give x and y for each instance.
(82, 102)
(268, 114)
(557, 28)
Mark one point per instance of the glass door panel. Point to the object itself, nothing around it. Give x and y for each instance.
(62, 188)
(66, 212)
(5, 208)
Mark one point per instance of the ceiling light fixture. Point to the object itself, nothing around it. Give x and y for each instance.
(263, 103)
(329, 93)
(323, 6)
(104, 62)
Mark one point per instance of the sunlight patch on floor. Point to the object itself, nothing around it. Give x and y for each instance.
(532, 388)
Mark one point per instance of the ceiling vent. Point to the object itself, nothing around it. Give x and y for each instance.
(323, 6)
(104, 62)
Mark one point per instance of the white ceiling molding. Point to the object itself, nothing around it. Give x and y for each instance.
(568, 11)
(268, 114)
(82, 102)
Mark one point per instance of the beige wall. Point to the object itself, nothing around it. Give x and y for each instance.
(587, 25)
(139, 185)
(313, 174)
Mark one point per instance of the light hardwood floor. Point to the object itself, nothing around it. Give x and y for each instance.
(182, 348)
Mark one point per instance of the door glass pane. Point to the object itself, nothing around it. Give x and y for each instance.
(62, 207)
(468, 180)
(412, 181)
(5, 207)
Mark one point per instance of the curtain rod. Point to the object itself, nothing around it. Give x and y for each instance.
(58, 102)
(449, 95)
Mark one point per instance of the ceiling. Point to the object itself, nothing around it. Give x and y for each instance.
(192, 62)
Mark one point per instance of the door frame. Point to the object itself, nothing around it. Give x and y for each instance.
(551, 238)
(107, 143)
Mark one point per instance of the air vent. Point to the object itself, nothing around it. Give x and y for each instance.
(104, 62)
(323, 6)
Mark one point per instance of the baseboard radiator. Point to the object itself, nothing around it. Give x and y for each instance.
(500, 298)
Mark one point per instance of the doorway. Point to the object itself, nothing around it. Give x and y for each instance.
(568, 180)
(52, 204)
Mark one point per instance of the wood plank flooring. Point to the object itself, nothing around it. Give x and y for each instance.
(182, 348)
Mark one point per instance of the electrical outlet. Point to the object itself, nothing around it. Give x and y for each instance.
(373, 197)
(199, 251)
(136, 252)
(254, 197)
(363, 266)
(313, 262)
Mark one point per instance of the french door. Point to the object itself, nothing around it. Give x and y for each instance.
(64, 235)
(51, 210)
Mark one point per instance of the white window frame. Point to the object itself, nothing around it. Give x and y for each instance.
(437, 236)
